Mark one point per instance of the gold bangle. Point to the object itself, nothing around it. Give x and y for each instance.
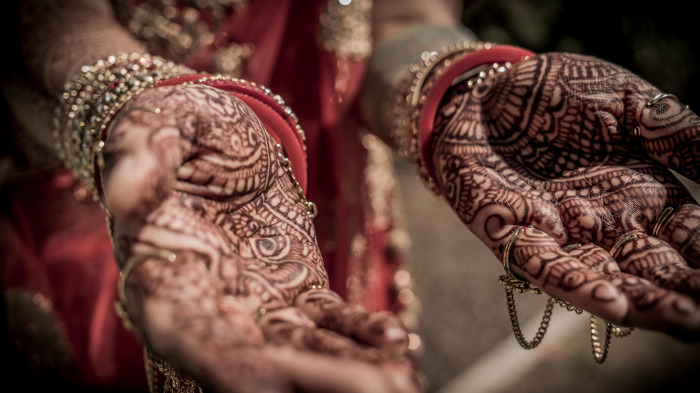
(92, 99)
(408, 94)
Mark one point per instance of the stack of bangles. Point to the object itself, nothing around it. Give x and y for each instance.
(412, 108)
(91, 106)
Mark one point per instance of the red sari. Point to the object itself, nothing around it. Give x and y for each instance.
(60, 273)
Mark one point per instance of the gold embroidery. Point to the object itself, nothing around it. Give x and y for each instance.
(175, 29)
(230, 59)
(345, 28)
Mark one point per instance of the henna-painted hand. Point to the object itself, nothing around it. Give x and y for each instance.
(575, 147)
(201, 179)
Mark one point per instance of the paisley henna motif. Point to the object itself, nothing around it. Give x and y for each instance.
(567, 144)
(209, 189)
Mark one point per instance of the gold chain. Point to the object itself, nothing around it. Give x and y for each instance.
(286, 163)
(517, 331)
(514, 284)
(600, 352)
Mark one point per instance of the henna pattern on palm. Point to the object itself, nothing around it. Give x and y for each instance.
(201, 180)
(551, 143)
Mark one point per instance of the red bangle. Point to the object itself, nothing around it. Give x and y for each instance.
(494, 54)
(278, 119)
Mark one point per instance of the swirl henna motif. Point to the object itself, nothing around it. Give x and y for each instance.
(567, 144)
(201, 179)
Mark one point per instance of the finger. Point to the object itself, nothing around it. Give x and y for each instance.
(140, 156)
(316, 373)
(536, 257)
(290, 326)
(681, 231)
(651, 307)
(650, 258)
(670, 133)
(380, 329)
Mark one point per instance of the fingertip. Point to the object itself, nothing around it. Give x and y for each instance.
(396, 341)
(610, 303)
(136, 185)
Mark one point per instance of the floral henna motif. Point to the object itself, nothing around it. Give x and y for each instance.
(551, 143)
(201, 179)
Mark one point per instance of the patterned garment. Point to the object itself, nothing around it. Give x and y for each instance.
(60, 273)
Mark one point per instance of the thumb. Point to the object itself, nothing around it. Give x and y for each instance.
(140, 158)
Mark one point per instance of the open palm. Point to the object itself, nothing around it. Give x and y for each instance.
(569, 150)
(230, 286)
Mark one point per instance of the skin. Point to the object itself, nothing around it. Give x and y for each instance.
(201, 179)
(549, 146)
(197, 312)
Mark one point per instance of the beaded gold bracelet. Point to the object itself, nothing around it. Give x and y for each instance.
(91, 100)
(403, 108)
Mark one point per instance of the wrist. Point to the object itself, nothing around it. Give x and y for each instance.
(418, 93)
(390, 60)
(91, 101)
(475, 67)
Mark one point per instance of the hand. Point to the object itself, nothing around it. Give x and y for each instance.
(575, 150)
(198, 194)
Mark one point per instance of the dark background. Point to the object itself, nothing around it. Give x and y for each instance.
(656, 40)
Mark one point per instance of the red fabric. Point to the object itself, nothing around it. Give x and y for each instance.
(61, 249)
(495, 54)
(60, 246)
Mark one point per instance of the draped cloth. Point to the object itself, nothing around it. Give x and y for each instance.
(58, 265)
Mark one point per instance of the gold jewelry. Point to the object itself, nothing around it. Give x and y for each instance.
(409, 94)
(506, 252)
(621, 242)
(259, 313)
(514, 284)
(571, 247)
(658, 98)
(622, 332)
(663, 219)
(121, 304)
(174, 380)
(600, 352)
(286, 163)
(311, 208)
(93, 98)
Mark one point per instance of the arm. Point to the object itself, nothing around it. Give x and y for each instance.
(401, 32)
(80, 31)
(518, 156)
(197, 277)
(229, 284)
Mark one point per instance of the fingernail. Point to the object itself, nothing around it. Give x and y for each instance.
(606, 293)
